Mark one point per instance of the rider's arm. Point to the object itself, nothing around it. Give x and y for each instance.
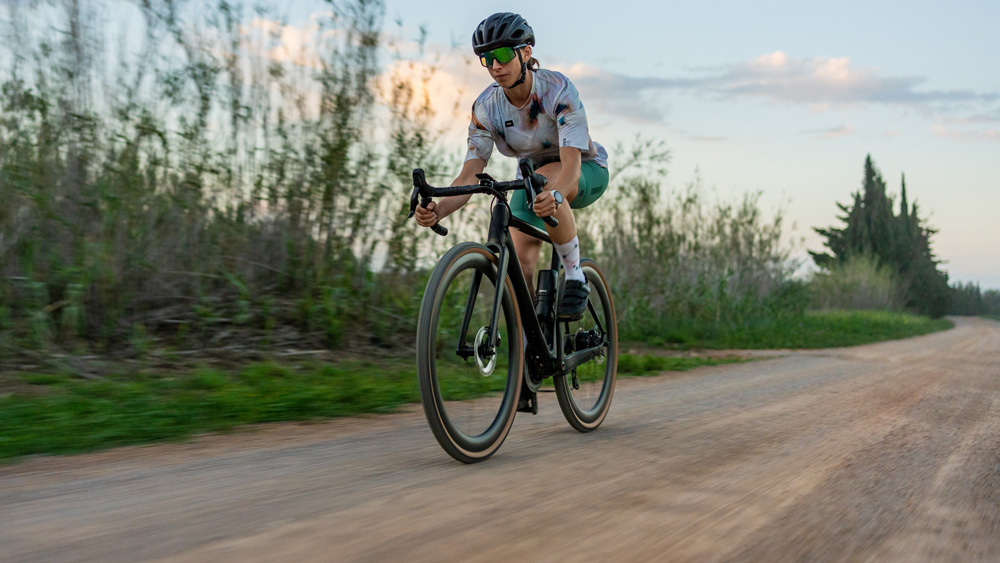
(567, 182)
(438, 210)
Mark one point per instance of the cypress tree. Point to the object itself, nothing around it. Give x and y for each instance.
(899, 242)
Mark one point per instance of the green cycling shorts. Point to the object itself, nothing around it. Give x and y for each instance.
(593, 183)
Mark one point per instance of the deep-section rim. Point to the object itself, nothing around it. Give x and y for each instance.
(465, 448)
(588, 420)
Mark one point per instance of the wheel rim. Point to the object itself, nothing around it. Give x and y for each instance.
(590, 388)
(474, 397)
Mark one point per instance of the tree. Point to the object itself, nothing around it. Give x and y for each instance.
(901, 242)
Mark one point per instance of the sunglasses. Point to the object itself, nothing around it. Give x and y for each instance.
(502, 54)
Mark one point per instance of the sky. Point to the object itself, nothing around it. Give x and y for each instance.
(782, 97)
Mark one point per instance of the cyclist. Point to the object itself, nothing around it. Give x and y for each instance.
(538, 115)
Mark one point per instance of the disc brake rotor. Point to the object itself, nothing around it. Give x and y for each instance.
(485, 367)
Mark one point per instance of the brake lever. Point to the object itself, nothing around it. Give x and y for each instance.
(533, 183)
(420, 187)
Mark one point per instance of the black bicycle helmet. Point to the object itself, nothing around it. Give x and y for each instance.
(503, 29)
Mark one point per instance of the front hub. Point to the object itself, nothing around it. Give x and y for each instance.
(486, 356)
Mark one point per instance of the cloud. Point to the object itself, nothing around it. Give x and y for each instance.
(818, 83)
(966, 136)
(286, 43)
(706, 139)
(629, 97)
(832, 133)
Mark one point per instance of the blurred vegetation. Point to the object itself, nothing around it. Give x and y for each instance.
(206, 186)
(684, 268)
(968, 299)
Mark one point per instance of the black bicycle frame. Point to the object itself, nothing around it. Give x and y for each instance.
(548, 359)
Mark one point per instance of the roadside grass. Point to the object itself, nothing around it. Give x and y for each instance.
(644, 365)
(53, 413)
(814, 329)
(57, 413)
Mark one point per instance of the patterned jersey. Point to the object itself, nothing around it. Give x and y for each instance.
(552, 117)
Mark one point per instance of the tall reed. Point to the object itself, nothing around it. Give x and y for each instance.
(207, 176)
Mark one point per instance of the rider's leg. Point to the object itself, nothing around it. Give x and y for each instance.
(566, 231)
(567, 244)
(527, 248)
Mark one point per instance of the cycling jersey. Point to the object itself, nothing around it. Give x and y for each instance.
(552, 117)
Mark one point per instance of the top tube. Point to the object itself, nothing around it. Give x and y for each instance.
(529, 229)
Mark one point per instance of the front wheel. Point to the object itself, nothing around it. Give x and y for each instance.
(585, 395)
(469, 382)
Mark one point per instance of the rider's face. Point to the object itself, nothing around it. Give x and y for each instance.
(506, 74)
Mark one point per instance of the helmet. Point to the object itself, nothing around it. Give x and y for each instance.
(503, 29)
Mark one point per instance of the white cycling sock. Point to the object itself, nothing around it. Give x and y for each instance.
(569, 253)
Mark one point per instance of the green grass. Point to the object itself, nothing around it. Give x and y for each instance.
(60, 414)
(55, 413)
(635, 365)
(815, 329)
(991, 317)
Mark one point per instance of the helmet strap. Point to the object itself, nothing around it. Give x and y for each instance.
(524, 71)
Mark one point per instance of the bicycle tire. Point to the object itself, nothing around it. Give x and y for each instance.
(468, 429)
(585, 397)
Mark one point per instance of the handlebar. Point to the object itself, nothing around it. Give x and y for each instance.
(423, 193)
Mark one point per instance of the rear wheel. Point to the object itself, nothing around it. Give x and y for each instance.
(469, 385)
(585, 395)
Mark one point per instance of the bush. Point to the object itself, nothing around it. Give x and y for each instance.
(682, 268)
(859, 283)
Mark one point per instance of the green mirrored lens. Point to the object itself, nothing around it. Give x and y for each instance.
(502, 54)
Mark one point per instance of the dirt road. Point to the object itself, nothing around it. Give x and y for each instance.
(889, 452)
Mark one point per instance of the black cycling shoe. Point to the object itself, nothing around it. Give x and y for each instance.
(574, 300)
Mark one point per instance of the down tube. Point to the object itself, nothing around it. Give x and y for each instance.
(498, 298)
(525, 302)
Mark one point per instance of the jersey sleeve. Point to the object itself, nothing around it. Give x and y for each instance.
(571, 118)
(480, 138)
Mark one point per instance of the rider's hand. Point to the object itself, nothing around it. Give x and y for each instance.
(426, 216)
(545, 204)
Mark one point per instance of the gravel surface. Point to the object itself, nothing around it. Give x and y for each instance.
(886, 452)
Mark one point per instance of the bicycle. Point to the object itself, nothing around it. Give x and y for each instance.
(476, 308)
